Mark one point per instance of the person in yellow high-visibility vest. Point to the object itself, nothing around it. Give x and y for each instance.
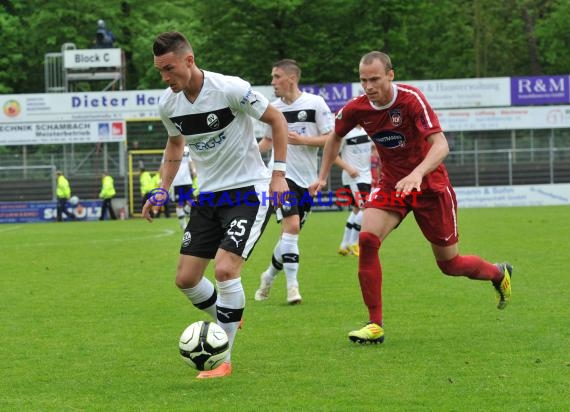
(146, 186)
(107, 194)
(63, 193)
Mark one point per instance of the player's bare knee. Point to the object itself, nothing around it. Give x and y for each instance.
(224, 271)
(183, 281)
(290, 226)
(180, 283)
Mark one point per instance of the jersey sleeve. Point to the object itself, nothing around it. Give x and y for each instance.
(169, 126)
(344, 121)
(242, 97)
(426, 120)
(325, 118)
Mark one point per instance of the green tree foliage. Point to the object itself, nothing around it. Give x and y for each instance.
(426, 39)
(11, 58)
(553, 36)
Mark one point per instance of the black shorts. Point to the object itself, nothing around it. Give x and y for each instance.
(363, 190)
(232, 220)
(183, 194)
(298, 203)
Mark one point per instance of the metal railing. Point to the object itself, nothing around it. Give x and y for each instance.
(551, 165)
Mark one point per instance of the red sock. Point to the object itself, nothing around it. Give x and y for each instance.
(471, 266)
(370, 275)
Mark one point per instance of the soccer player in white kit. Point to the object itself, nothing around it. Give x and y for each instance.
(309, 120)
(213, 114)
(354, 159)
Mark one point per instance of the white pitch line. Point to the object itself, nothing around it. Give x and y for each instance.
(164, 233)
(9, 229)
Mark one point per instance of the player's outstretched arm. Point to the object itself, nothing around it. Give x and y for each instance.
(172, 158)
(330, 152)
(265, 144)
(275, 119)
(339, 161)
(436, 154)
(316, 141)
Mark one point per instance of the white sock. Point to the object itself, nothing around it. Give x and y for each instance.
(276, 264)
(347, 231)
(230, 305)
(290, 256)
(356, 223)
(203, 296)
(181, 217)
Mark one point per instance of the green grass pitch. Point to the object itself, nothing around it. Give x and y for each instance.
(90, 319)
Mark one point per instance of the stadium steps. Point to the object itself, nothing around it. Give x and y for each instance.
(41, 190)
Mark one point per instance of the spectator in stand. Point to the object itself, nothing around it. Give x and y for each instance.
(104, 38)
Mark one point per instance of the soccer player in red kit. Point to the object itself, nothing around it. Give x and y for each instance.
(412, 147)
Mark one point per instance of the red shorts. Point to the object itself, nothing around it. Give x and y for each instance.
(435, 212)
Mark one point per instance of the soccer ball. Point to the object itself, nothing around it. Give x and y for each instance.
(204, 345)
(73, 200)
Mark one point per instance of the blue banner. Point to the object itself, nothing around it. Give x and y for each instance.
(539, 90)
(32, 212)
(335, 94)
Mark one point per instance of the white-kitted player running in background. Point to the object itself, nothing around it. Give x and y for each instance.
(309, 120)
(354, 159)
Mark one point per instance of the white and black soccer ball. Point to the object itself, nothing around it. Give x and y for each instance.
(204, 345)
(73, 200)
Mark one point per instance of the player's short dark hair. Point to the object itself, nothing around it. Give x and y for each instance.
(290, 66)
(376, 55)
(171, 41)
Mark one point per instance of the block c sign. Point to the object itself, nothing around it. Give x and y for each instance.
(91, 58)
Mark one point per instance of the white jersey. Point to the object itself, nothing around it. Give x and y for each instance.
(356, 149)
(309, 115)
(218, 128)
(183, 176)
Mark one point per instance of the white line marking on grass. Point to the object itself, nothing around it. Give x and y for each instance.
(9, 229)
(164, 233)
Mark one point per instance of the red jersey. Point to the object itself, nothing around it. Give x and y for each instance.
(399, 131)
